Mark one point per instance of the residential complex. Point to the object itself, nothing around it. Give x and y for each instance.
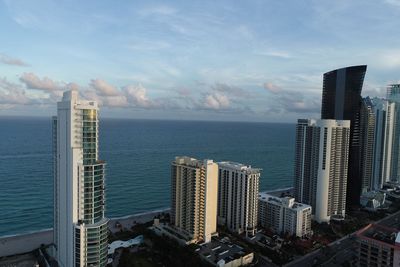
(378, 245)
(341, 100)
(238, 197)
(284, 215)
(80, 228)
(322, 149)
(194, 196)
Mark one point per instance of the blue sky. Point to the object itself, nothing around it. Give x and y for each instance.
(207, 60)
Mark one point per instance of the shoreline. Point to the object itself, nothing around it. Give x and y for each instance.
(130, 220)
(27, 242)
(139, 217)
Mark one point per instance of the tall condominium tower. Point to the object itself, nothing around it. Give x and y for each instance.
(194, 197)
(322, 149)
(393, 95)
(383, 143)
(306, 161)
(367, 118)
(332, 169)
(341, 100)
(80, 228)
(238, 197)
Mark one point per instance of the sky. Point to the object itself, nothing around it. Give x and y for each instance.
(192, 60)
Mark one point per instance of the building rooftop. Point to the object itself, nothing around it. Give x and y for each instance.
(380, 233)
(238, 166)
(221, 249)
(191, 162)
(283, 201)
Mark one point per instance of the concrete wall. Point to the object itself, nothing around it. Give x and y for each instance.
(18, 244)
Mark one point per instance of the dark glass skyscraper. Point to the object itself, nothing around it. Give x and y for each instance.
(341, 100)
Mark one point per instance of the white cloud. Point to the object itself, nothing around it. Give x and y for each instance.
(45, 84)
(104, 88)
(274, 53)
(8, 60)
(272, 88)
(137, 95)
(294, 101)
(12, 94)
(116, 101)
(216, 101)
(72, 86)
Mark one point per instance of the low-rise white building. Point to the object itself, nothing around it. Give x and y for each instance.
(284, 215)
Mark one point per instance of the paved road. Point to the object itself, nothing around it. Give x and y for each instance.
(392, 220)
(342, 249)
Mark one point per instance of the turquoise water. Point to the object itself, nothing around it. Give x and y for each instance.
(138, 155)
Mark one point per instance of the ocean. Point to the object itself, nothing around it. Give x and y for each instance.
(138, 155)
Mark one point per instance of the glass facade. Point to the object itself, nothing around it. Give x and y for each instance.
(80, 228)
(93, 230)
(93, 194)
(89, 136)
(96, 245)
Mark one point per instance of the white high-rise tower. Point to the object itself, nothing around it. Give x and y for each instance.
(322, 152)
(238, 197)
(332, 169)
(80, 228)
(385, 127)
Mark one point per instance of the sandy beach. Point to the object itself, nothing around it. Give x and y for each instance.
(127, 222)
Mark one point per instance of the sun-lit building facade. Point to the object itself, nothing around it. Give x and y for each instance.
(80, 227)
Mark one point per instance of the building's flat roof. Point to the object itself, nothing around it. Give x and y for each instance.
(238, 166)
(221, 249)
(382, 234)
(191, 162)
(279, 200)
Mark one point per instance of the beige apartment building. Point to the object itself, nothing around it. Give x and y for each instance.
(194, 196)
